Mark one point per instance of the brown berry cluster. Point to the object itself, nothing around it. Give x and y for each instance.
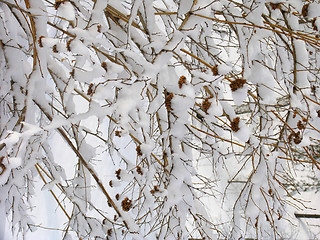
(206, 105)
(126, 204)
(154, 190)
(167, 101)
(235, 124)
(117, 133)
(236, 84)
(118, 172)
(139, 170)
(138, 149)
(295, 136)
(182, 80)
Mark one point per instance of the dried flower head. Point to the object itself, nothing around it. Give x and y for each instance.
(295, 136)
(154, 190)
(236, 84)
(167, 101)
(300, 125)
(104, 66)
(118, 172)
(235, 124)
(99, 28)
(40, 41)
(139, 170)
(90, 89)
(275, 6)
(72, 73)
(68, 44)
(2, 166)
(138, 149)
(215, 70)
(126, 204)
(182, 80)
(206, 105)
(55, 49)
(314, 25)
(305, 10)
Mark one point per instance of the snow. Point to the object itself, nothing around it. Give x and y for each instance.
(97, 112)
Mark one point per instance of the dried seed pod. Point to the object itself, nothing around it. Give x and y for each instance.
(110, 183)
(104, 66)
(40, 41)
(154, 190)
(90, 89)
(182, 80)
(126, 204)
(2, 166)
(275, 6)
(167, 101)
(318, 112)
(300, 125)
(236, 84)
(235, 124)
(313, 23)
(54, 49)
(117, 133)
(118, 172)
(117, 196)
(215, 70)
(139, 170)
(68, 44)
(58, 3)
(295, 113)
(72, 73)
(138, 149)
(297, 138)
(305, 11)
(109, 232)
(206, 105)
